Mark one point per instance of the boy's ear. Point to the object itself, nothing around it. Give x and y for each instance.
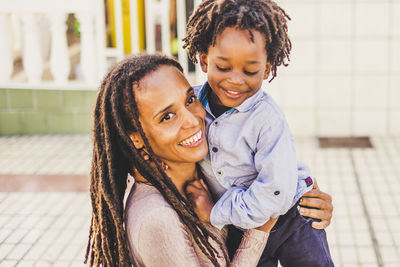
(203, 62)
(137, 140)
(267, 71)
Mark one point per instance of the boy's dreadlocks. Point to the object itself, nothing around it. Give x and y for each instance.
(114, 156)
(265, 16)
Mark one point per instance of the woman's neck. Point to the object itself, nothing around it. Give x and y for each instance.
(181, 173)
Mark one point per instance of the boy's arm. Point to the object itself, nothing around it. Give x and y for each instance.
(272, 192)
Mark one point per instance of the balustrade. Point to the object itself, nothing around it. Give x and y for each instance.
(20, 27)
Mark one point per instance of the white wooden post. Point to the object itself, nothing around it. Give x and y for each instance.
(6, 66)
(32, 58)
(201, 77)
(181, 30)
(165, 27)
(88, 47)
(59, 57)
(150, 31)
(101, 40)
(133, 11)
(118, 30)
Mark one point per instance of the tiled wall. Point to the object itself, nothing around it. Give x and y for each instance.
(344, 75)
(45, 111)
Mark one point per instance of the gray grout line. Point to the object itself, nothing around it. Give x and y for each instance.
(366, 213)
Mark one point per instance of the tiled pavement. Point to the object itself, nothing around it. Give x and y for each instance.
(51, 228)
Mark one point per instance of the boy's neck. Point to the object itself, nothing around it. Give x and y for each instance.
(216, 106)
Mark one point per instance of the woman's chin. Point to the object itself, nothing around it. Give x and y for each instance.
(194, 154)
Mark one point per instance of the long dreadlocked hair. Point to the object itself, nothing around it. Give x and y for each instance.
(212, 16)
(114, 156)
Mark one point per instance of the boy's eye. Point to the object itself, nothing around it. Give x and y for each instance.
(167, 116)
(191, 99)
(221, 68)
(250, 73)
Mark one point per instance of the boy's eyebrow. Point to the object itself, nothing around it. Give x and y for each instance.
(188, 91)
(248, 61)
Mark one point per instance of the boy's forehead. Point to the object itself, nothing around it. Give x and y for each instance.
(236, 41)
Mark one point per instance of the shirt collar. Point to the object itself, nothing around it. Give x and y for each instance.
(245, 106)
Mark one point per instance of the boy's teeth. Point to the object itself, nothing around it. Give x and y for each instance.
(233, 93)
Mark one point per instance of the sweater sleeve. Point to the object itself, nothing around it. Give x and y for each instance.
(250, 249)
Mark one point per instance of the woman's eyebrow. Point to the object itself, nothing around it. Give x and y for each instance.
(163, 110)
(189, 90)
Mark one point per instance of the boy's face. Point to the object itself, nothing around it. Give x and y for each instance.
(236, 66)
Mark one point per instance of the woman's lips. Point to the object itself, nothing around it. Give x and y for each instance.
(194, 140)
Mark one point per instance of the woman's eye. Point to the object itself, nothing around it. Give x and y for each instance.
(250, 73)
(191, 99)
(222, 69)
(167, 116)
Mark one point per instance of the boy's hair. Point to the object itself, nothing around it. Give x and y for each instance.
(212, 16)
(116, 116)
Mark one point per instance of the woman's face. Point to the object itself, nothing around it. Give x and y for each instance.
(171, 116)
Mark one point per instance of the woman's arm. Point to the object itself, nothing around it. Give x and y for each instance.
(318, 205)
(253, 241)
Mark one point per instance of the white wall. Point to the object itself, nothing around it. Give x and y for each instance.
(344, 74)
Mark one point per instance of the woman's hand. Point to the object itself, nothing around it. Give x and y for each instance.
(268, 225)
(197, 193)
(318, 205)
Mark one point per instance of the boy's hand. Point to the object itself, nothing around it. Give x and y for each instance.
(268, 225)
(197, 193)
(318, 205)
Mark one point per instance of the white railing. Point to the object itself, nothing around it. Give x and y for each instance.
(23, 33)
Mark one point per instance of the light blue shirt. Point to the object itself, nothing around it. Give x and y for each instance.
(251, 165)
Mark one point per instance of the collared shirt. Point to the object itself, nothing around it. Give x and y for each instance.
(251, 165)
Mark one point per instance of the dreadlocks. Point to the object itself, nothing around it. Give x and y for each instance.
(114, 156)
(212, 17)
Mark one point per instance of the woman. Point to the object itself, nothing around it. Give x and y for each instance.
(146, 106)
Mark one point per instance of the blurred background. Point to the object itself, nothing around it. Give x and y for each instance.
(340, 93)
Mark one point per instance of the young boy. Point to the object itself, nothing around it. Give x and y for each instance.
(251, 165)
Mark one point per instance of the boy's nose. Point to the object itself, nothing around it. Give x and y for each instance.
(236, 78)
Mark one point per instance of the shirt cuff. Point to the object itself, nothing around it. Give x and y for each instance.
(214, 216)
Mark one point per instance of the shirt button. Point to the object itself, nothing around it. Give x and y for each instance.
(219, 172)
(214, 149)
(276, 193)
(216, 123)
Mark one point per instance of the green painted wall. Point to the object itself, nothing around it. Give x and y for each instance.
(28, 111)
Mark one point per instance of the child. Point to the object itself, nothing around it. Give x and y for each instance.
(251, 165)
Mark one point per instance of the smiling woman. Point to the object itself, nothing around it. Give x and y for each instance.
(146, 109)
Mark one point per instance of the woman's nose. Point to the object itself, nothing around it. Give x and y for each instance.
(189, 119)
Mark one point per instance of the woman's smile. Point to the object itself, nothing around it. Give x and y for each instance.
(194, 140)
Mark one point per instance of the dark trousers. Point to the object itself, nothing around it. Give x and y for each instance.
(292, 241)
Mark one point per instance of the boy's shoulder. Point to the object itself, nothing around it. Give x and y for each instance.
(266, 107)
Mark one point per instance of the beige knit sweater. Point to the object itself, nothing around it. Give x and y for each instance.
(158, 238)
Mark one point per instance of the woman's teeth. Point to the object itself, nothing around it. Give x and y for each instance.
(192, 140)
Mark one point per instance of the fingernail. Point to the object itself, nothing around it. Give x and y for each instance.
(146, 157)
(302, 210)
(301, 200)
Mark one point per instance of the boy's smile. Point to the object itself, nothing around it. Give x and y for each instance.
(236, 66)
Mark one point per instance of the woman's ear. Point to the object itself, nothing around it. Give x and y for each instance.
(203, 62)
(267, 70)
(137, 140)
